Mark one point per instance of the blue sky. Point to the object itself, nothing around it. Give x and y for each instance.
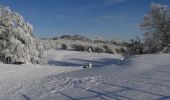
(109, 19)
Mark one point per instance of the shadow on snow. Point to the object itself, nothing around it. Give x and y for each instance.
(104, 95)
(81, 62)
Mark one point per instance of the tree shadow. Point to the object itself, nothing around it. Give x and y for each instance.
(98, 94)
(162, 97)
(159, 84)
(70, 98)
(112, 95)
(117, 95)
(104, 95)
(157, 79)
(25, 97)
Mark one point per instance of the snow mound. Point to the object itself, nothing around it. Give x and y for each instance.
(17, 42)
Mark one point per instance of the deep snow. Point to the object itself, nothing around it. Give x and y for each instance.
(145, 77)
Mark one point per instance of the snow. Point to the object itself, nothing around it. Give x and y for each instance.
(145, 77)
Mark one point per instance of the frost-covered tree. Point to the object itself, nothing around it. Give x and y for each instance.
(17, 42)
(156, 26)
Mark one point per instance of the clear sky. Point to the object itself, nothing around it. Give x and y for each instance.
(109, 19)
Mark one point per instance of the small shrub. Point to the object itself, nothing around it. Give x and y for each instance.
(98, 50)
(108, 49)
(79, 48)
(120, 50)
(64, 47)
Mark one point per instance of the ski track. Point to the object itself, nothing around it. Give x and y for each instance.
(145, 77)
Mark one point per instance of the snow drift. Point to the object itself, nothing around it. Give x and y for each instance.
(17, 43)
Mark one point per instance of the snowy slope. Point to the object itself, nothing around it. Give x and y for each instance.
(145, 77)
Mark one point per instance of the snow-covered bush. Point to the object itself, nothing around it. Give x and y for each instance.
(121, 50)
(17, 42)
(108, 49)
(64, 47)
(82, 45)
(98, 49)
(156, 26)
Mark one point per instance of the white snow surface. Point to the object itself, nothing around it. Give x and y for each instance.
(144, 77)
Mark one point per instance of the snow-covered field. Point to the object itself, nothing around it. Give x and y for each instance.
(145, 77)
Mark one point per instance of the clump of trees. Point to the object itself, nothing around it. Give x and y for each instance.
(135, 46)
(18, 45)
(156, 27)
(87, 48)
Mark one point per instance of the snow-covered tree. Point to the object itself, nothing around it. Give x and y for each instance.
(17, 42)
(156, 26)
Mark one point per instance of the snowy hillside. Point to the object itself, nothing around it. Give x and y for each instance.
(84, 44)
(143, 77)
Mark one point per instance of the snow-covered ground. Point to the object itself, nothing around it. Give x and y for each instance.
(145, 77)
